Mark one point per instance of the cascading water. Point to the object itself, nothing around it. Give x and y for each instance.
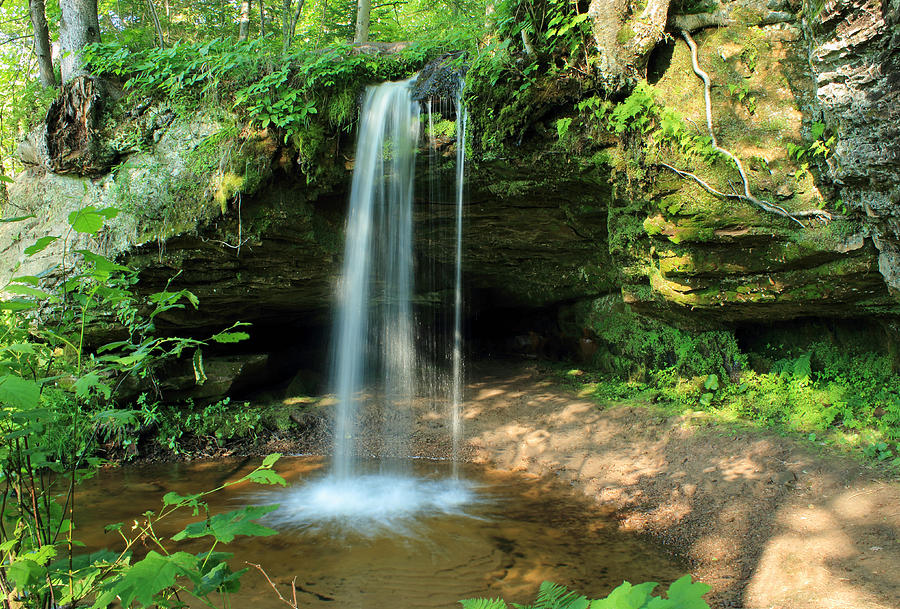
(374, 321)
(375, 355)
(456, 393)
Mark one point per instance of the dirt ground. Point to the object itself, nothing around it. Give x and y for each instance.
(761, 518)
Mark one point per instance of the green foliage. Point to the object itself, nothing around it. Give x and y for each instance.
(533, 46)
(741, 92)
(682, 594)
(820, 149)
(216, 422)
(555, 596)
(225, 527)
(304, 98)
(57, 401)
(842, 395)
(632, 345)
(636, 113)
(483, 603)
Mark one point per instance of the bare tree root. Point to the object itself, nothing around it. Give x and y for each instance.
(698, 21)
(747, 196)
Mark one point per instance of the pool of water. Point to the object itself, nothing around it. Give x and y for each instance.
(419, 540)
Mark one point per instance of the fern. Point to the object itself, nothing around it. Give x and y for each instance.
(556, 596)
(483, 603)
(682, 594)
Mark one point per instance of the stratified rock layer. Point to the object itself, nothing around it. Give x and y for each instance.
(855, 54)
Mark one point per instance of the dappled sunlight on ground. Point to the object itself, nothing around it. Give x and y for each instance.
(832, 543)
(765, 522)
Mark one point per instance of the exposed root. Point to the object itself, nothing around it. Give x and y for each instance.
(747, 196)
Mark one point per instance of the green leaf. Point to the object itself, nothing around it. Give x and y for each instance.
(87, 220)
(817, 130)
(19, 393)
(230, 337)
(24, 573)
(199, 372)
(483, 603)
(802, 367)
(102, 264)
(40, 245)
(712, 382)
(42, 555)
(173, 498)
(6, 178)
(217, 575)
(559, 597)
(18, 218)
(89, 382)
(16, 304)
(626, 596)
(265, 476)
(270, 460)
(225, 527)
(144, 580)
(24, 290)
(687, 594)
(117, 418)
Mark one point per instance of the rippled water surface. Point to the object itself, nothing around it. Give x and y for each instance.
(385, 541)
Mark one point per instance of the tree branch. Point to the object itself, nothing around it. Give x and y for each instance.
(275, 588)
(14, 38)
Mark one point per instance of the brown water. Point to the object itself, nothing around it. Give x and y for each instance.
(516, 534)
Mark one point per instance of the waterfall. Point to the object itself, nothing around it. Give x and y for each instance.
(456, 429)
(376, 361)
(374, 314)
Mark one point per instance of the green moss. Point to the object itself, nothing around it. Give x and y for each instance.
(633, 344)
(625, 34)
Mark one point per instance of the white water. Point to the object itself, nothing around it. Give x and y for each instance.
(374, 320)
(368, 504)
(374, 369)
(456, 421)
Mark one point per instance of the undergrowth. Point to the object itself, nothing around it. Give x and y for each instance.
(844, 396)
(304, 97)
(182, 428)
(682, 594)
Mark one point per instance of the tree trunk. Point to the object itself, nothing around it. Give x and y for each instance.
(363, 8)
(625, 41)
(262, 19)
(42, 42)
(289, 24)
(78, 27)
(244, 27)
(155, 18)
(74, 142)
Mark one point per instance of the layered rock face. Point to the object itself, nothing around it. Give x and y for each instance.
(854, 50)
(254, 242)
(704, 261)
